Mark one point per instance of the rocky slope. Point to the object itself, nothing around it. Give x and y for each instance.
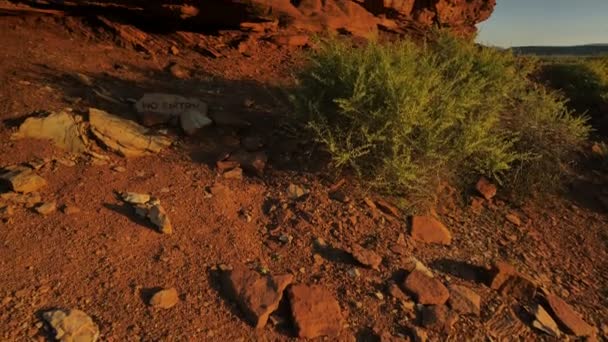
(357, 17)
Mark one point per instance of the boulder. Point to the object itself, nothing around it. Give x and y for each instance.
(315, 311)
(427, 290)
(72, 325)
(430, 230)
(257, 296)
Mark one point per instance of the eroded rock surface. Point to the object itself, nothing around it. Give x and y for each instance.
(125, 137)
(359, 18)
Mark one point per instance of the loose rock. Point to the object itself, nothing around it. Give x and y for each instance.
(72, 326)
(295, 192)
(426, 289)
(179, 71)
(509, 282)
(236, 173)
(46, 208)
(165, 299)
(315, 311)
(258, 296)
(6, 211)
(438, 317)
(387, 208)
(22, 179)
(464, 300)
(419, 334)
(545, 323)
(125, 137)
(513, 218)
(567, 317)
(485, 188)
(412, 264)
(149, 207)
(70, 210)
(366, 257)
(428, 229)
(254, 162)
(135, 198)
(158, 216)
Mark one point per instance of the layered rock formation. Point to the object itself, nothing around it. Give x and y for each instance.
(357, 17)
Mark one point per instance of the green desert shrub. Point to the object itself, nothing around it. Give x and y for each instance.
(404, 115)
(584, 81)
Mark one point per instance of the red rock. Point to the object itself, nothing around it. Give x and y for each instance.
(387, 208)
(477, 204)
(315, 311)
(236, 173)
(366, 257)
(464, 300)
(438, 317)
(428, 229)
(513, 218)
(254, 162)
(396, 292)
(257, 296)
(291, 40)
(419, 334)
(426, 289)
(165, 299)
(358, 18)
(508, 281)
(485, 188)
(567, 317)
(226, 165)
(501, 271)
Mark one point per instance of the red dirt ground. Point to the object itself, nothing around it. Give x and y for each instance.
(103, 259)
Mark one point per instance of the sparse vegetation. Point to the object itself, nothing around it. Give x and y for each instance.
(403, 115)
(584, 81)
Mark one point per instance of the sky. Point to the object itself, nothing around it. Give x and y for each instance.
(546, 22)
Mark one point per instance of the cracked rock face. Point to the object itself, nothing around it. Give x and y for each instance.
(360, 18)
